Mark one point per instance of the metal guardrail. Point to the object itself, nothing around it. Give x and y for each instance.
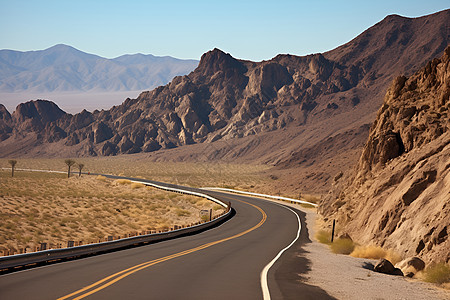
(260, 195)
(21, 260)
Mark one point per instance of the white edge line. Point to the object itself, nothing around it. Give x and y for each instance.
(265, 271)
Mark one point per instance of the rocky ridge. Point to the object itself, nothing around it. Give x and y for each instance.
(398, 195)
(320, 99)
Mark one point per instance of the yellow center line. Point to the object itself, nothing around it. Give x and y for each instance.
(107, 281)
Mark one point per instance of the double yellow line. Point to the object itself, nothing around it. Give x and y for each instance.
(107, 281)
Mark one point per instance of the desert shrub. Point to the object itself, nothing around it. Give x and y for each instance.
(342, 246)
(217, 207)
(101, 178)
(311, 198)
(120, 221)
(122, 181)
(137, 185)
(305, 205)
(323, 236)
(375, 252)
(182, 212)
(437, 273)
(372, 252)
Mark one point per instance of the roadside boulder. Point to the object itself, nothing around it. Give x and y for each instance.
(386, 267)
(411, 266)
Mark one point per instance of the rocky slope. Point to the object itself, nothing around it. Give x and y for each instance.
(398, 195)
(290, 111)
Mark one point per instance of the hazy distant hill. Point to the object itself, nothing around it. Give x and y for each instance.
(62, 68)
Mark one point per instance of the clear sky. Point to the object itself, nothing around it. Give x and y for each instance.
(254, 30)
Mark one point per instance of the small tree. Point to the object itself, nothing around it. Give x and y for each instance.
(69, 163)
(80, 167)
(13, 163)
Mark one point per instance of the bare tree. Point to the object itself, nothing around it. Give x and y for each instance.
(80, 167)
(69, 163)
(13, 163)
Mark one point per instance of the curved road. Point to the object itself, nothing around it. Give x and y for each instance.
(221, 263)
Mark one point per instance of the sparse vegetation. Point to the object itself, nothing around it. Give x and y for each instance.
(52, 209)
(190, 174)
(101, 178)
(311, 198)
(323, 236)
(342, 246)
(69, 163)
(80, 168)
(306, 205)
(138, 185)
(437, 273)
(375, 252)
(13, 163)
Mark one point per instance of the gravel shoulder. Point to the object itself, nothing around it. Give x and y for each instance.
(344, 277)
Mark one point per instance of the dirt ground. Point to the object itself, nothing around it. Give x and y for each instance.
(346, 277)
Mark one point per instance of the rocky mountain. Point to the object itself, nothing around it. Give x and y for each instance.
(398, 195)
(309, 115)
(62, 68)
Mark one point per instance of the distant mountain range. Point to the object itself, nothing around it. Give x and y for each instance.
(63, 68)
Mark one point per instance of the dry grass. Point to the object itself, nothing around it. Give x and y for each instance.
(46, 207)
(239, 176)
(376, 252)
(438, 273)
(342, 246)
(323, 236)
(310, 198)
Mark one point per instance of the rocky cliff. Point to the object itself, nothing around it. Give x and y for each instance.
(289, 111)
(398, 195)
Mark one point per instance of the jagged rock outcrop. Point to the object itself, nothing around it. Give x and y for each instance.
(5, 123)
(398, 196)
(321, 100)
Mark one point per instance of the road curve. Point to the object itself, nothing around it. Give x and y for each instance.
(221, 263)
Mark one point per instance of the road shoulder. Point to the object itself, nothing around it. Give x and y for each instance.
(343, 276)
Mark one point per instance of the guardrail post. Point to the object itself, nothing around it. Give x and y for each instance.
(70, 244)
(43, 247)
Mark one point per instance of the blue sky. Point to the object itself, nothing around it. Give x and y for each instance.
(254, 30)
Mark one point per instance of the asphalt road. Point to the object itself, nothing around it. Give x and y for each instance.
(220, 263)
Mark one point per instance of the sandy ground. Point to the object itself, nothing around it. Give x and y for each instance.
(344, 277)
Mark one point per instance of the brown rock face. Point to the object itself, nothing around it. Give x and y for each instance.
(5, 121)
(287, 112)
(399, 193)
(407, 119)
